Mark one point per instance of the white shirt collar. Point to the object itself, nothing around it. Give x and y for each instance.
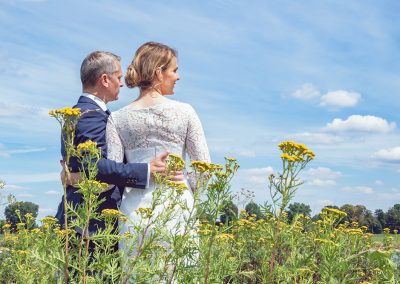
(97, 100)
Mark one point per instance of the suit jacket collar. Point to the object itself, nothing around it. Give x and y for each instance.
(86, 100)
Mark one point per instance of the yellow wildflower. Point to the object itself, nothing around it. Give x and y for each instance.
(110, 213)
(200, 166)
(175, 163)
(145, 212)
(49, 220)
(21, 225)
(92, 186)
(221, 175)
(88, 147)
(35, 231)
(217, 167)
(355, 231)
(6, 226)
(304, 270)
(65, 112)
(324, 241)
(225, 237)
(334, 212)
(177, 185)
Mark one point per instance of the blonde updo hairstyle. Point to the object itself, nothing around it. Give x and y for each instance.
(148, 58)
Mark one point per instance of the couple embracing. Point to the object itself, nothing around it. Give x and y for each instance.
(136, 139)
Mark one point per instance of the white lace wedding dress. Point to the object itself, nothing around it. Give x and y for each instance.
(140, 134)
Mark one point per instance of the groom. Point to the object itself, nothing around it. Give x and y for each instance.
(101, 81)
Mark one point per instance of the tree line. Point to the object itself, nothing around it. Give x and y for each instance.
(375, 221)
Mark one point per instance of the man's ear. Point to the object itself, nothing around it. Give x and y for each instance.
(104, 80)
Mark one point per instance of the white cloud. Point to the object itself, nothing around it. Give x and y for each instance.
(6, 153)
(321, 182)
(52, 192)
(18, 110)
(257, 175)
(321, 177)
(27, 178)
(388, 155)
(379, 182)
(47, 210)
(317, 138)
(358, 189)
(24, 195)
(322, 173)
(306, 92)
(253, 179)
(324, 202)
(340, 99)
(360, 123)
(246, 153)
(13, 187)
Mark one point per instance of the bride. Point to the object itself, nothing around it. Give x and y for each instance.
(153, 123)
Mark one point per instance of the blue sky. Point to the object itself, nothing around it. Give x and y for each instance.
(324, 73)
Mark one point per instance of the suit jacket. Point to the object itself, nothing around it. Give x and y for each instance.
(92, 126)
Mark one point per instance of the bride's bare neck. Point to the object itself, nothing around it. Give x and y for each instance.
(148, 98)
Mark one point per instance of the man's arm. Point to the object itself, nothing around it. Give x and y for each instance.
(92, 126)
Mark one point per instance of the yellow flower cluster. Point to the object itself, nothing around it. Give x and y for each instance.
(110, 213)
(221, 175)
(175, 162)
(386, 230)
(60, 233)
(49, 220)
(289, 158)
(29, 215)
(324, 241)
(216, 167)
(67, 111)
(21, 225)
(87, 146)
(201, 166)
(180, 187)
(177, 185)
(357, 231)
(205, 229)
(36, 231)
(225, 237)
(304, 270)
(6, 226)
(144, 212)
(334, 212)
(92, 184)
(294, 152)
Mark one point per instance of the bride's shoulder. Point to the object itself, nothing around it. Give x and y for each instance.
(121, 112)
(180, 105)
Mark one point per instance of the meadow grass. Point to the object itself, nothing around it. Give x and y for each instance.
(380, 237)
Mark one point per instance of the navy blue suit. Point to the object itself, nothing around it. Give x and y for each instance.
(92, 126)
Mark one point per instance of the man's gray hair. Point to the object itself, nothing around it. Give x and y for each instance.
(96, 64)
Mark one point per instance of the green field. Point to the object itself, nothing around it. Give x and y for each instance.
(380, 237)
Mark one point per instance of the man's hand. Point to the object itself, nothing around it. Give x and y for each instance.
(158, 165)
(70, 178)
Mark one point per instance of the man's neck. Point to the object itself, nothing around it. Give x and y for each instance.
(95, 93)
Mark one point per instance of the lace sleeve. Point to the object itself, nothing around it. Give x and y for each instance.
(196, 145)
(115, 149)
